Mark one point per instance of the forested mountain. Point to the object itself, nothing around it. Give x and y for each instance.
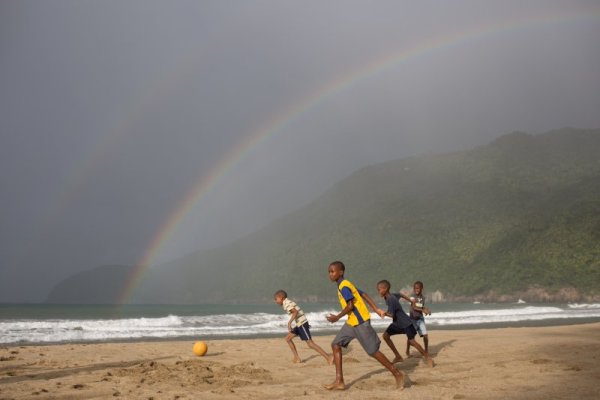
(519, 217)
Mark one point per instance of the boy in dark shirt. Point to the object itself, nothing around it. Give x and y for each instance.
(402, 323)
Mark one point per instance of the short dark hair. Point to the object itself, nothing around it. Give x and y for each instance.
(419, 283)
(282, 293)
(339, 265)
(385, 282)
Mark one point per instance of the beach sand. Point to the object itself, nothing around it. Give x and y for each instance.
(516, 363)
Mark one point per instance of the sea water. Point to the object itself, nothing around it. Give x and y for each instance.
(30, 324)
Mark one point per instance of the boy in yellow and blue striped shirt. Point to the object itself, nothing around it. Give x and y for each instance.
(358, 327)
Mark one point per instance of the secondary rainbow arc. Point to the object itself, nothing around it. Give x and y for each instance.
(208, 182)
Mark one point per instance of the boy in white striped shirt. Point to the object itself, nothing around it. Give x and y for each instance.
(301, 329)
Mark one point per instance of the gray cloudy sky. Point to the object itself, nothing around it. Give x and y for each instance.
(112, 111)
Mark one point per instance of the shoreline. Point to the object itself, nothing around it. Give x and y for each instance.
(430, 327)
(551, 362)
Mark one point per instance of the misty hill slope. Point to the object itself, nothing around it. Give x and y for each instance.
(521, 212)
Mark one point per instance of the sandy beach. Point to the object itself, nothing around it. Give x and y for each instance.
(516, 363)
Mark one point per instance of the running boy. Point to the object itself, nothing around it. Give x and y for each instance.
(402, 323)
(301, 329)
(358, 327)
(417, 314)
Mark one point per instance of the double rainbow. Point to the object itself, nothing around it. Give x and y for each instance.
(194, 197)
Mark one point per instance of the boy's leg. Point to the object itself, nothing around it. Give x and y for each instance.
(422, 329)
(319, 350)
(387, 337)
(289, 339)
(370, 342)
(423, 352)
(419, 324)
(343, 338)
(304, 332)
(411, 332)
(338, 384)
(399, 376)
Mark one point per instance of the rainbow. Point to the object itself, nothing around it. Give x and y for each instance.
(343, 82)
(99, 152)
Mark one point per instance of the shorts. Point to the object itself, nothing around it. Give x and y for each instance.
(421, 328)
(366, 335)
(409, 331)
(303, 331)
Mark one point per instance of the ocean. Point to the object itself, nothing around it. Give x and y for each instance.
(41, 323)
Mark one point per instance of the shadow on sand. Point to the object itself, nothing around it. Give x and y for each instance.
(407, 366)
(72, 371)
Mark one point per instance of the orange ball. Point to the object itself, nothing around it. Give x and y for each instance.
(200, 348)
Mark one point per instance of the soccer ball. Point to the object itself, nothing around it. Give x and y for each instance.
(200, 348)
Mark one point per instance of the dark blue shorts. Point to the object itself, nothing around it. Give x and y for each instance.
(409, 331)
(303, 331)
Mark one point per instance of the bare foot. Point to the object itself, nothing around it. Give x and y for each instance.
(429, 361)
(296, 361)
(397, 359)
(400, 381)
(337, 386)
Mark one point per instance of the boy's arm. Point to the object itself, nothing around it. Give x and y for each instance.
(293, 315)
(424, 310)
(405, 297)
(349, 306)
(409, 299)
(372, 304)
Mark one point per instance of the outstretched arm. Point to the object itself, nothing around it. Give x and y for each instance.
(405, 297)
(372, 304)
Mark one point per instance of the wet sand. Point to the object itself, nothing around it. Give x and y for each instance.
(516, 363)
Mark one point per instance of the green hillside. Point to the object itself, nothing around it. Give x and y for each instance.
(522, 212)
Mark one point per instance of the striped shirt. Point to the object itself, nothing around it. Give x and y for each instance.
(346, 292)
(289, 305)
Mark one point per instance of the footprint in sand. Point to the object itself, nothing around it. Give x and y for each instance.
(541, 361)
(573, 368)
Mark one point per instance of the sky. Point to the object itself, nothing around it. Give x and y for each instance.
(135, 132)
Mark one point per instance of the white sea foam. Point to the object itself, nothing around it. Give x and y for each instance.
(224, 325)
(527, 313)
(585, 306)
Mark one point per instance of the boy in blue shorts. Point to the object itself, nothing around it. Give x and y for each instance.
(358, 327)
(301, 329)
(402, 323)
